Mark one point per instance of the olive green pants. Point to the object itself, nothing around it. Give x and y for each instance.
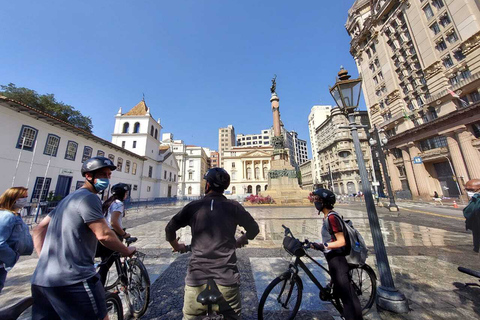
(230, 306)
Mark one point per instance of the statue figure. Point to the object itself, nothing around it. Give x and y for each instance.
(274, 84)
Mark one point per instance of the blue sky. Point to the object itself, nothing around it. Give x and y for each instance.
(201, 64)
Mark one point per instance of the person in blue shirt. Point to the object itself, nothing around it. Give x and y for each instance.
(15, 239)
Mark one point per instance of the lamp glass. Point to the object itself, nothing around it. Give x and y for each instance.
(351, 93)
(335, 92)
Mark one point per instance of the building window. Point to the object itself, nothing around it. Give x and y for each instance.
(134, 144)
(164, 175)
(447, 61)
(100, 153)
(190, 163)
(189, 190)
(87, 153)
(71, 151)
(27, 138)
(125, 127)
(465, 74)
(452, 37)
(151, 130)
(435, 28)
(148, 188)
(445, 20)
(123, 144)
(475, 96)
(127, 166)
(190, 176)
(136, 127)
(174, 177)
(134, 168)
(476, 129)
(437, 4)
(441, 45)
(111, 157)
(51, 146)
(454, 80)
(150, 171)
(233, 164)
(433, 143)
(234, 190)
(458, 54)
(156, 133)
(119, 164)
(428, 11)
(40, 190)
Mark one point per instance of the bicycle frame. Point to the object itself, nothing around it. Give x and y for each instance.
(299, 263)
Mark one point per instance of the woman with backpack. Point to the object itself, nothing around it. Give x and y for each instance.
(113, 209)
(335, 247)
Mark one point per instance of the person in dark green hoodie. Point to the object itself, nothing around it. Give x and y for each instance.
(472, 211)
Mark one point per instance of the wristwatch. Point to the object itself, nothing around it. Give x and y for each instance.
(325, 245)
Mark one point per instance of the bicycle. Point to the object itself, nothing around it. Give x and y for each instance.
(283, 296)
(14, 311)
(133, 280)
(472, 273)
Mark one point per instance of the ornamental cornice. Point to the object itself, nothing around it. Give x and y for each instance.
(471, 43)
(432, 70)
(393, 96)
(375, 108)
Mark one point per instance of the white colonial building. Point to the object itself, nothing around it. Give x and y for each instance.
(45, 154)
(248, 168)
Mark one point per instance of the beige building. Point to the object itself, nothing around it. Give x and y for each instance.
(307, 177)
(248, 168)
(417, 59)
(226, 140)
(317, 115)
(336, 152)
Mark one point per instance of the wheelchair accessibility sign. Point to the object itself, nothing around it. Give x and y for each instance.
(417, 160)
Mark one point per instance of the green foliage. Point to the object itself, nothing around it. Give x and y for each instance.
(48, 104)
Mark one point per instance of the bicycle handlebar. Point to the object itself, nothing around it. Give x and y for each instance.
(469, 272)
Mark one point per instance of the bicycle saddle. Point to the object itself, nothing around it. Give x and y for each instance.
(130, 240)
(211, 294)
(15, 310)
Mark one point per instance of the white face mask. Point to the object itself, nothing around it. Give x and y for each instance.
(470, 193)
(20, 203)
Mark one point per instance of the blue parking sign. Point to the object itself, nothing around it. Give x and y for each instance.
(417, 160)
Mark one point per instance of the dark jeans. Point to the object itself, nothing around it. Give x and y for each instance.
(3, 277)
(105, 254)
(476, 238)
(338, 267)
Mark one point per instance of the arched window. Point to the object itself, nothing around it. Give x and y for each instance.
(258, 189)
(136, 127)
(156, 133)
(189, 190)
(151, 131)
(266, 186)
(125, 127)
(249, 189)
(234, 190)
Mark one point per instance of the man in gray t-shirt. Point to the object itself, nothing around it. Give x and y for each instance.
(65, 284)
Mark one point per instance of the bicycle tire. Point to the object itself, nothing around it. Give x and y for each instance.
(270, 306)
(138, 288)
(114, 306)
(364, 281)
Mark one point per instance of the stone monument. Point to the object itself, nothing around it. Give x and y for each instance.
(282, 178)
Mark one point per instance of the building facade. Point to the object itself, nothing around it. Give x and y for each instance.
(318, 114)
(299, 148)
(420, 64)
(226, 140)
(307, 176)
(45, 154)
(214, 163)
(338, 163)
(248, 168)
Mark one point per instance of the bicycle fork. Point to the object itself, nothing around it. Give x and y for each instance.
(289, 277)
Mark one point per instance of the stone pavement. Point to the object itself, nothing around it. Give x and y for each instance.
(424, 252)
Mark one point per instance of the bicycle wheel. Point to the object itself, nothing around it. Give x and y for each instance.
(281, 299)
(114, 306)
(138, 287)
(364, 281)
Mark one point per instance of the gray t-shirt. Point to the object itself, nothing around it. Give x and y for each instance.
(69, 248)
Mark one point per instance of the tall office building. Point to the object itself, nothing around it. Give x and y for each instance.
(317, 116)
(226, 140)
(420, 64)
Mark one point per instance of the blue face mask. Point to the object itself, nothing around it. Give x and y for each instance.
(101, 184)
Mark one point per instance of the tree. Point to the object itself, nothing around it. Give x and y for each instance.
(48, 104)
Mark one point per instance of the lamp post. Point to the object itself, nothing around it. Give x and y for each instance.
(379, 143)
(346, 94)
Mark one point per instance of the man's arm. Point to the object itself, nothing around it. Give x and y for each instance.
(178, 221)
(246, 221)
(108, 238)
(39, 233)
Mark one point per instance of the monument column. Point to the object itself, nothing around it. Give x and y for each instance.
(470, 154)
(409, 170)
(457, 159)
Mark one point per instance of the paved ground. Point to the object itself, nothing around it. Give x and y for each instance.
(425, 245)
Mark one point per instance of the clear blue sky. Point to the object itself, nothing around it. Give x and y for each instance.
(201, 64)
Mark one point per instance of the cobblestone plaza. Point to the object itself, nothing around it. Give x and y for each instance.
(424, 249)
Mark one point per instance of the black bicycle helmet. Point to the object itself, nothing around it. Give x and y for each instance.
(96, 163)
(218, 178)
(327, 196)
(120, 189)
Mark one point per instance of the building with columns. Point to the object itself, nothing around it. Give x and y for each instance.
(226, 140)
(248, 168)
(336, 152)
(318, 114)
(420, 64)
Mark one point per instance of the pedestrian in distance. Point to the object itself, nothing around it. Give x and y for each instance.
(435, 195)
(15, 238)
(472, 211)
(65, 284)
(335, 247)
(113, 210)
(213, 221)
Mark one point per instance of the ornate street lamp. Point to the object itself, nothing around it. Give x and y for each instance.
(379, 144)
(346, 94)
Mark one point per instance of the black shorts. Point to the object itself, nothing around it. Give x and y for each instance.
(79, 301)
